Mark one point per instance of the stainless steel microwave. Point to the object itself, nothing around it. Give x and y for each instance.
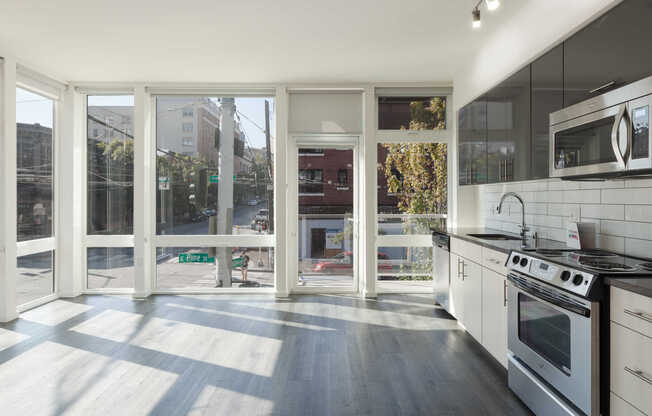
(604, 136)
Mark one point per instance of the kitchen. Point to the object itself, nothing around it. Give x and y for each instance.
(553, 238)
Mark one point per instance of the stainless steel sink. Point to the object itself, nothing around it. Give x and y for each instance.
(494, 237)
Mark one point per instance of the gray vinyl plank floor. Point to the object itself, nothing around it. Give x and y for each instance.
(247, 355)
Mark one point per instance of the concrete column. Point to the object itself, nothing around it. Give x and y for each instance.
(8, 190)
(144, 195)
(225, 189)
(71, 145)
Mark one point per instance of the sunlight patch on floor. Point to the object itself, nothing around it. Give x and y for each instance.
(10, 338)
(56, 312)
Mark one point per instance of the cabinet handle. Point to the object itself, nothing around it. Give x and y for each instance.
(463, 270)
(639, 374)
(601, 87)
(505, 293)
(640, 315)
(459, 267)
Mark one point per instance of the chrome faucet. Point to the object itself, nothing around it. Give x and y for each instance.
(524, 229)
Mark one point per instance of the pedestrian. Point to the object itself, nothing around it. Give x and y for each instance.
(244, 267)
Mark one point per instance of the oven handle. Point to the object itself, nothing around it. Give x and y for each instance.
(541, 295)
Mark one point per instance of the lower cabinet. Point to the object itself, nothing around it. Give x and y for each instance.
(494, 314)
(466, 294)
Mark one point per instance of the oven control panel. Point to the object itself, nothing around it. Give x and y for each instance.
(561, 276)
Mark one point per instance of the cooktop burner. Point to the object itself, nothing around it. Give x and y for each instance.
(594, 253)
(646, 266)
(602, 265)
(551, 252)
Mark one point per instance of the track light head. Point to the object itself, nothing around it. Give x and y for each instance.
(492, 4)
(476, 18)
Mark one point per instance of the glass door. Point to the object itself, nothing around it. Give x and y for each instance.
(326, 214)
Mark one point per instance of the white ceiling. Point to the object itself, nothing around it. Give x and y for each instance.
(246, 40)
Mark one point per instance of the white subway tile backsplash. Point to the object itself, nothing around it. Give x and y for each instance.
(638, 248)
(607, 212)
(642, 213)
(621, 210)
(628, 196)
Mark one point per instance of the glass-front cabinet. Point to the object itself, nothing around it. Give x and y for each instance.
(472, 123)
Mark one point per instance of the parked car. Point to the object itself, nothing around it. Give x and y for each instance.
(252, 202)
(262, 215)
(209, 212)
(344, 261)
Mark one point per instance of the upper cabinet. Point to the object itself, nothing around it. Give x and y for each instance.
(472, 128)
(547, 97)
(612, 51)
(508, 129)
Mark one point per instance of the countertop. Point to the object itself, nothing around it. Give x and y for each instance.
(504, 246)
(640, 285)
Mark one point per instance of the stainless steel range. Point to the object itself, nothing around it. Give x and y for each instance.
(555, 302)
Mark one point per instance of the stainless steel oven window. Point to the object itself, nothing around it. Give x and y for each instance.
(546, 331)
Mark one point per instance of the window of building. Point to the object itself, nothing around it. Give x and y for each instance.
(311, 152)
(187, 127)
(35, 196)
(223, 187)
(342, 177)
(311, 181)
(187, 112)
(110, 164)
(412, 113)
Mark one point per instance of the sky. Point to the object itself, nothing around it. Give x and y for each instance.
(32, 108)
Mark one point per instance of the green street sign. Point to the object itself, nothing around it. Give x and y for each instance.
(195, 258)
(214, 179)
(237, 262)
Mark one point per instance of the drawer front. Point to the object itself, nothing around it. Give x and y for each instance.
(494, 260)
(632, 310)
(467, 250)
(619, 407)
(631, 367)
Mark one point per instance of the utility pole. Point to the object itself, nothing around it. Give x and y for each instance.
(224, 217)
(268, 191)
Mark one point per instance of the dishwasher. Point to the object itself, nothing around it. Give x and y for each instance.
(441, 269)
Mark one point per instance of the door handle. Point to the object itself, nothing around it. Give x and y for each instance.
(615, 136)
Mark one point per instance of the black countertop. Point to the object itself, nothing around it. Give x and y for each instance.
(504, 246)
(640, 285)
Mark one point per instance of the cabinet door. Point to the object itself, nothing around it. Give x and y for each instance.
(494, 314)
(464, 144)
(508, 129)
(547, 97)
(611, 51)
(456, 298)
(472, 293)
(472, 122)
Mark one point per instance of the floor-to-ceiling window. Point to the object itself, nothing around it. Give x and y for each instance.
(412, 188)
(109, 191)
(35, 124)
(214, 192)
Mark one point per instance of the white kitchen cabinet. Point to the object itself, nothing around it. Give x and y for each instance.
(466, 294)
(494, 314)
(631, 367)
(472, 298)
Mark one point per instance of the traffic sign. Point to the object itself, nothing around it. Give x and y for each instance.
(163, 183)
(195, 258)
(214, 179)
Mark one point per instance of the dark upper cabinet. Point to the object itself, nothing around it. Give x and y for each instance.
(547, 97)
(472, 122)
(508, 129)
(612, 51)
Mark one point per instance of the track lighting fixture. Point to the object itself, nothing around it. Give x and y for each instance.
(475, 13)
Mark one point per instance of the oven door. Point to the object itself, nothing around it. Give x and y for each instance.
(556, 336)
(596, 143)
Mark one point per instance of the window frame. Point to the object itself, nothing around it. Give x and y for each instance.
(31, 82)
(409, 136)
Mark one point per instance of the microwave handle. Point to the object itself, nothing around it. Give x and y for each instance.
(615, 136)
